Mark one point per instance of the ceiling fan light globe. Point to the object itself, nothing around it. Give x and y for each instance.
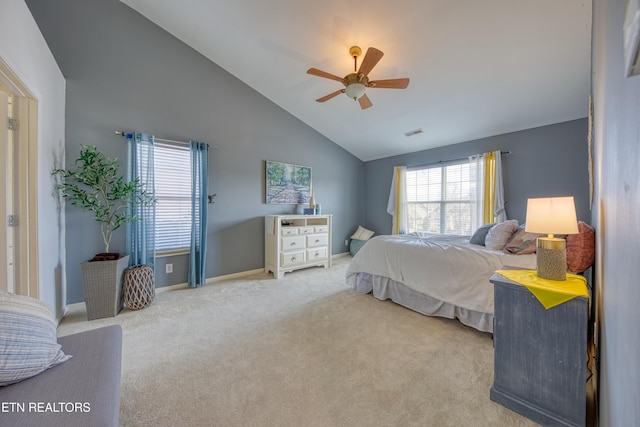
(355, 90)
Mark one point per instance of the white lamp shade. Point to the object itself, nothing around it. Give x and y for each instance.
(552, 215)
(355, 90)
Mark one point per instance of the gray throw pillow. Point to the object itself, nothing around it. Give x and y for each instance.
(480, 234)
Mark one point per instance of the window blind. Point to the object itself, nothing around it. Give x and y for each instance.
(172, 168)
(439, 199)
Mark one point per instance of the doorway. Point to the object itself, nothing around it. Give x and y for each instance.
(7, 182)
(18, 162)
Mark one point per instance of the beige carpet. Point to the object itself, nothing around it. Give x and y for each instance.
(305, 350)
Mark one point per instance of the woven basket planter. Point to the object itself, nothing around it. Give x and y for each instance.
(139, 287)
(102, 285)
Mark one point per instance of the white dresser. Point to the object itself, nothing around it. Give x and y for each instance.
(292, 242)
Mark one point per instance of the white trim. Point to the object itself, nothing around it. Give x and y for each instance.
(211, 280)
(26, 110)
(175, 252)
(65, 311)
(229, 276)
(341, 255)
(175, 287)
(180, 286)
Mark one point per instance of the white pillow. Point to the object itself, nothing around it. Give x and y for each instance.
(499, 234)
(28, 343)
(362, 233)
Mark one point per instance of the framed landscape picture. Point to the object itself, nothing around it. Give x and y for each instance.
(287, 183)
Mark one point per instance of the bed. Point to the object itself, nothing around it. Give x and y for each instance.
(433, 274)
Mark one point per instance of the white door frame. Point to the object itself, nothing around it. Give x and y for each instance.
(26, 237)
(7, 277)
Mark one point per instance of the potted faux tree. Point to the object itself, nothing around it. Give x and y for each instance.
(95, 185)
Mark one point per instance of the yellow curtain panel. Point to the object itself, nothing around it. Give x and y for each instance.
(397, 218)
(488, 215)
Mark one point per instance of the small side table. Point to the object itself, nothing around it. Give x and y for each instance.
(540, 355)
(139, 286)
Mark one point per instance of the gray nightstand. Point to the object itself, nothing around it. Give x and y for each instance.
(540, 356)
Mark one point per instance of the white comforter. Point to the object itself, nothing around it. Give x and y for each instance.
(445, 267)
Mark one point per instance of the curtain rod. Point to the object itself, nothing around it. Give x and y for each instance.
(123, 134)
(449, 161)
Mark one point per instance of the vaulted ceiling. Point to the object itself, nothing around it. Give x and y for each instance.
(476, 68)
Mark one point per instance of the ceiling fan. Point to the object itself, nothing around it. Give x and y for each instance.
(357, 82)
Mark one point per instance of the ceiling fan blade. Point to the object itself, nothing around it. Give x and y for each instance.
(370, 60)
(320, 73)
(365, 102)
(331, 95)
(390, 84)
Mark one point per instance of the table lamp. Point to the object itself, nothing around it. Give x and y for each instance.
(551, 215)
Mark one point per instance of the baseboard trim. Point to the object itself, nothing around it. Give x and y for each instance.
(231, 276)
(179, 286)
(64, 313)
(212, 280)
(340, 255)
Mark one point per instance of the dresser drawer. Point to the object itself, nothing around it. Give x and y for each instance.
(316, 240)
(291, 243)
(289, 231)
(292, 258)
(305, 230)
(321, 229)
(317, 254)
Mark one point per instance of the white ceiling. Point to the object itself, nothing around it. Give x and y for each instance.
(477, 68)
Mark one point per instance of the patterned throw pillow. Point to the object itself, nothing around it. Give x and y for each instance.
(499, 234)
(522, 242)
(362, 233)
(28, 343)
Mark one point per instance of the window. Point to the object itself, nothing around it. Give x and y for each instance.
(172, 174)
(439, 199)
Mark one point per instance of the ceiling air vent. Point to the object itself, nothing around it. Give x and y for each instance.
(413, 132)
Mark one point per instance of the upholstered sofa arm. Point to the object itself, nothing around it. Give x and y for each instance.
(83, 391)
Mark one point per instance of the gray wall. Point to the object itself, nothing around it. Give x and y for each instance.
(615, 214)
(25, 52)
(125, 73)
(544, 162)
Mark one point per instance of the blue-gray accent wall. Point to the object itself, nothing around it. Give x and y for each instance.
(543, 162)
(123, 72)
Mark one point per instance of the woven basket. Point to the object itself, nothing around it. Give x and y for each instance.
(139, 288)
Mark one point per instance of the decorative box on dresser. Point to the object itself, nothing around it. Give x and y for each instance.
(292, 242)
(540, 355)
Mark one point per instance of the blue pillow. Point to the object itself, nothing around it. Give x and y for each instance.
(355, 246)
(480, 234)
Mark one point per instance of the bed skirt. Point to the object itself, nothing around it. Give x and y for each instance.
(385, 288)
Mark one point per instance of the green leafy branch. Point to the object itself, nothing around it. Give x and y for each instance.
(96, 186)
